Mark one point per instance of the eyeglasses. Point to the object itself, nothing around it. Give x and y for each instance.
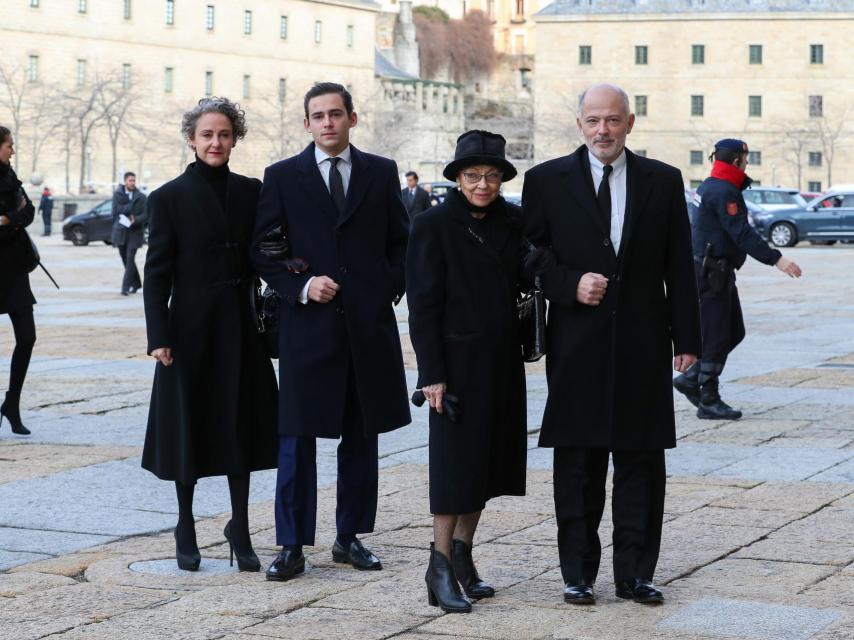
(474, 178)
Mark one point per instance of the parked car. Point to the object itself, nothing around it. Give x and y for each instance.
(824, 220)
(90, 226)
(773, 198)
(438, 190)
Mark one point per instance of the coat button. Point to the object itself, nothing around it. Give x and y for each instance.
(615, 277)
(340, 311)
(606, 242)
(342, 269)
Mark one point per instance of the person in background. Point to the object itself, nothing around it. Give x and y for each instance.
(46, 209)
(415, 199)
(722, 239)
(16, 297)
(213, 402)
(129, 220)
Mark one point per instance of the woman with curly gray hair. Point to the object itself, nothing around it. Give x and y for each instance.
(213, 403)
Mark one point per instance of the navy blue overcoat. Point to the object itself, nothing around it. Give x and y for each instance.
(363, 250)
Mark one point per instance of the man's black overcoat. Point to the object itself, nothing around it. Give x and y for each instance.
(609, 367)
(213, 412)
(363, 250)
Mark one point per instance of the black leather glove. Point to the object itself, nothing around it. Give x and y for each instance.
(275, 245)
(450, 403)
(540, 260)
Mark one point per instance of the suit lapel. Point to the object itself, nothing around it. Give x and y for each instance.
(576, 180)
(360, 180)
(312, 182)
(638, 188)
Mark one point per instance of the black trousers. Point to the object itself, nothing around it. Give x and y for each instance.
(131, 277)
(722, 325)
(46, 221)
(637, 506)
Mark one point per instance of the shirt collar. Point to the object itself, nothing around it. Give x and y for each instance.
(617, 164)
(320, 156)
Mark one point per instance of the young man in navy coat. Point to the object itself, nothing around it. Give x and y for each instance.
(340, 366)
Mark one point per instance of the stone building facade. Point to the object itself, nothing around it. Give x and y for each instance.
(773, 72)
(168, 54)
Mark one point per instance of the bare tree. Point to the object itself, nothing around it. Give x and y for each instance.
(794, 140)
(45, 118)
(87, 114)
(830, 134)
(279, 122)
(16, 86)
(116, 101)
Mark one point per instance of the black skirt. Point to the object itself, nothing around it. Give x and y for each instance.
(15, 293)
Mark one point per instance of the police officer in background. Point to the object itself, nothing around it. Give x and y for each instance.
(722, 240)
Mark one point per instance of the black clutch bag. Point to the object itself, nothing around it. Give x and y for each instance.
(532, 323)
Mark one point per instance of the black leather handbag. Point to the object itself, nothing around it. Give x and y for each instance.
(532, 323)
(265, 304)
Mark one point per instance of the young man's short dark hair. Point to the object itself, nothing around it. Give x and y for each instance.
(128, 174)
(727, 155)
(323, 88)
(412, 174)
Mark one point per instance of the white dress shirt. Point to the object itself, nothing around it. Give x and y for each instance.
(617, 184)
(345, 167)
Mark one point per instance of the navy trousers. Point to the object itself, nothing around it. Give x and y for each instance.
(296, 484)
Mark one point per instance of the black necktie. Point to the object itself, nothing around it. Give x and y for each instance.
(604, 197)
(336, 185)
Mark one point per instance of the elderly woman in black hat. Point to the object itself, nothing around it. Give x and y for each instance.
(463, 278)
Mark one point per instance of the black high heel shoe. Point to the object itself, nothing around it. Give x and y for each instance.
(246, 560)
(11, 411)
(187, 561)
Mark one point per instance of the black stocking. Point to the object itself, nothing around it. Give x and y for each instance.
(186, 528)
(238, 487)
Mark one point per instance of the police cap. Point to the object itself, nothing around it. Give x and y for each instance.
(731, 144)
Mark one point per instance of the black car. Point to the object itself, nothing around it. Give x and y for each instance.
(91, 226)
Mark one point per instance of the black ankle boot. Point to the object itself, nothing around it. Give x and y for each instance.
(246, 558)
(466, 572)
(12, 412)
(187, 551)
(443, 590)
(688, 384)
(711, 406)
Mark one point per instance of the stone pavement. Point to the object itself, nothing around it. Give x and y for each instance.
(758, 543)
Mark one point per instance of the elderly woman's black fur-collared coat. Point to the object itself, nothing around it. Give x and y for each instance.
(461, 293)
(213, 412)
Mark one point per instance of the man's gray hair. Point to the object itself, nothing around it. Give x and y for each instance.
(613, 87)
(226, 107)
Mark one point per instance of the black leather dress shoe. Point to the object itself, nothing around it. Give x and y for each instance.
(641, 591)
(288, 564)
(580, 593)
(356, 555)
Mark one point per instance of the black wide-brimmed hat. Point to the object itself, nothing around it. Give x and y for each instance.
(480, 147)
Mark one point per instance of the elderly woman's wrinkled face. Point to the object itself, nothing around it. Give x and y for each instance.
(480, 184)
(213, 139)
(7, 150)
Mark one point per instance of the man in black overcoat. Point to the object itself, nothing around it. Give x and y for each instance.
(415, 199)
(129, 220)
(340, 364)
(623, 301)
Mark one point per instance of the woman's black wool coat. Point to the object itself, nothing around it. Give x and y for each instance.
(462, 294)
(15, 292)
(213, 412)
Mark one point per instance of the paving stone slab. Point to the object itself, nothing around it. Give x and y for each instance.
(314, 623)
(836, 591)
(780, 463)
(157, 623)
(41, 541)
(842, 472)
(695, 459)
(769, 520)
(752, 619)
(9, 559)
(16, 584)
(803, 549)
(802, 497)
(765, 580)
(496, 622)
